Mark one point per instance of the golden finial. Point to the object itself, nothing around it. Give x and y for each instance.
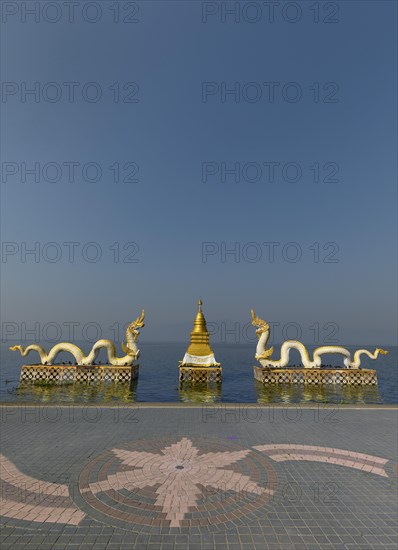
(200, 303)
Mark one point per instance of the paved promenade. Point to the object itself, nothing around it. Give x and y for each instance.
(198, 477)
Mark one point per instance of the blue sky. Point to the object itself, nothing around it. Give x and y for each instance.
(171, 135)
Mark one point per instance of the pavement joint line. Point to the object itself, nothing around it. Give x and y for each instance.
(223, 404)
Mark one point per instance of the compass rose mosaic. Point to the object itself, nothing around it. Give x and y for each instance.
(172, 483)
(190, 482)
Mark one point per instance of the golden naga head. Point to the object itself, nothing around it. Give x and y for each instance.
(382, 351)
(133, 328)
(136, 325)
(261, 325)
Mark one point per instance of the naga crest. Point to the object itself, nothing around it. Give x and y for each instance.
(261, 325)
(133, 328)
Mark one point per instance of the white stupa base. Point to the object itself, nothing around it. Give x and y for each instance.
(199, 361)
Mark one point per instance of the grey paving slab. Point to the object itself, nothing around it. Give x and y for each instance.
(217, 476)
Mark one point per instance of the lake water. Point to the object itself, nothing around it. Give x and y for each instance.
(158, 380)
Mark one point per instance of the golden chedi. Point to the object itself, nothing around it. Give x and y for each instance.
(199, 352)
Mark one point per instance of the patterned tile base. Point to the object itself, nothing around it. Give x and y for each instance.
(180, 483)
(197, 479)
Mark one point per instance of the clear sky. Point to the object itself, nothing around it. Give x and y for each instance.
(314, 101)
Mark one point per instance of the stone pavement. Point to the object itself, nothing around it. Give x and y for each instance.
(198, 477)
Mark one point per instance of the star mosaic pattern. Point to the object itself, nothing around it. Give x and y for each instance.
(179, 484)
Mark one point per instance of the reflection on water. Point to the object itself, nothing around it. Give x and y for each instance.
(200, 393)
(80, 392)
(322, 393)
(77, 392)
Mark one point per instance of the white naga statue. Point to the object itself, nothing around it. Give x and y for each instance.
(263, 354)
(130, 348)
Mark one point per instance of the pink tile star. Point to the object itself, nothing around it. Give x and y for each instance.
(179, 471)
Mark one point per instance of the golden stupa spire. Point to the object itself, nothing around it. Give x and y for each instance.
(199, 336)
(199, 352)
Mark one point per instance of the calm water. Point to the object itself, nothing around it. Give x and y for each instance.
(158, 380)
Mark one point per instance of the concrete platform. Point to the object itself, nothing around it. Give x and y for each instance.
(200, 375)
(350, 377)
(219, 476)
(63, 374)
